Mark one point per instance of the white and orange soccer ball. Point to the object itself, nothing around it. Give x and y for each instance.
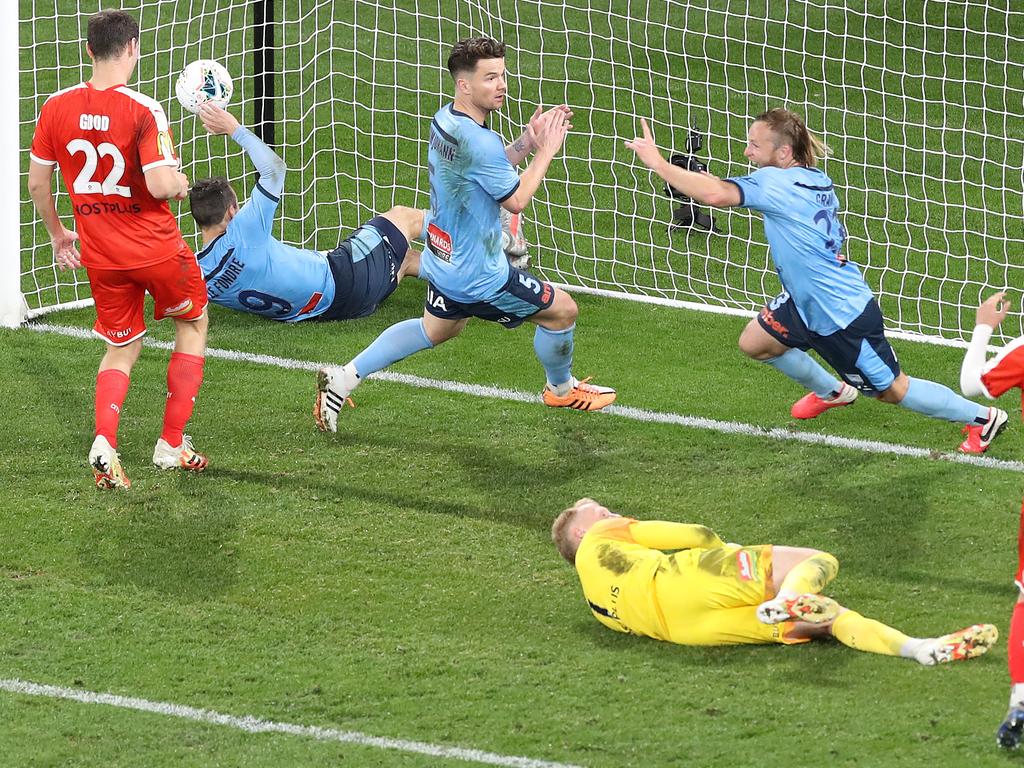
(204, 82)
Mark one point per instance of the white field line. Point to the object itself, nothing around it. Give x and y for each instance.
(251, 724)
(623, 411)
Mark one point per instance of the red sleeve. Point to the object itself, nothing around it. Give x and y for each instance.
(156, 148)
(42, 149)
(1006, 370)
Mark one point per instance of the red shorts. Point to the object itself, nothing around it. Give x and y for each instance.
(176, 285)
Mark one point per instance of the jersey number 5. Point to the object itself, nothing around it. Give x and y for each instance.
(84, 184)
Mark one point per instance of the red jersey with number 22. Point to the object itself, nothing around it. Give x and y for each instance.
(104, 142)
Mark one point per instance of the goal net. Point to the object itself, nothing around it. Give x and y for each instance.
(920, 103)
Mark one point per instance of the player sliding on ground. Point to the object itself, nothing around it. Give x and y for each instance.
(992, 378)
(825, 304)
(713, 593)
(248, 269)
(472, 175)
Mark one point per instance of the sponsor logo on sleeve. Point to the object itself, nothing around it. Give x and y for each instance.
(164, 145)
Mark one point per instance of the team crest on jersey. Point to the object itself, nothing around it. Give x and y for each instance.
(440, 242)
(746, 565)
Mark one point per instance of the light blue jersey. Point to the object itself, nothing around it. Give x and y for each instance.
(801, 224)
(469, 177)
(248, 269)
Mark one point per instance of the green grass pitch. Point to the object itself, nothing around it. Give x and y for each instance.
(398, 579)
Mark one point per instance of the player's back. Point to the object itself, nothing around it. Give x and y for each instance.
(249, 270)
(617, 576)
(803, 227)
(469, 177)
(104, 141)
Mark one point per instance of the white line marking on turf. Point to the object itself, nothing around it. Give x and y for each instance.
(252, 724)
(636, 414)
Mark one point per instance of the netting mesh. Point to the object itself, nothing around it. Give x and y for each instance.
(922, 105)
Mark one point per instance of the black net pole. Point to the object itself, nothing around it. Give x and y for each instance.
(264, 119)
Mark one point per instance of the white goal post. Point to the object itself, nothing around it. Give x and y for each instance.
(921, 105)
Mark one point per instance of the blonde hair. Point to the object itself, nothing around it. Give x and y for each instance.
(561, 532)
(790, 129)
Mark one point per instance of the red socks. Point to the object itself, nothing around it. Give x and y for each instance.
(1015, 645)
(111, 388)
(184, 376)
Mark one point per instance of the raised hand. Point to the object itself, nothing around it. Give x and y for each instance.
(65, 250)
(551, 129)
(217, 120)
(645, 147)
(994, 310)
(539, 120)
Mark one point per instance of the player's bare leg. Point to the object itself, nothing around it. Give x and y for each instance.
(826, 390)
(174, 448)
(111, 388)
(408, 221)
(553, 344)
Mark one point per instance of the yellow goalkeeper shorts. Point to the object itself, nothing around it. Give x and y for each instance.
(711, 597)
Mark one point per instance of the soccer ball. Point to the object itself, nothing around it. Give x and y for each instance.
(203, 82)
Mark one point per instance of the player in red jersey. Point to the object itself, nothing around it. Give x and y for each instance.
(115, 153)
(992, 378)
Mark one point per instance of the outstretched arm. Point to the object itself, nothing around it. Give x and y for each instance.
(990, 314)
(661, 534)
(702, 187)
(269, 164)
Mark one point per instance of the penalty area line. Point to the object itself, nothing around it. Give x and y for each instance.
(251, 724)
(622, 411)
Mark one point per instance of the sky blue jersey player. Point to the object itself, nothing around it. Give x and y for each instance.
(246, 268)
(472, 177)
(825, 304)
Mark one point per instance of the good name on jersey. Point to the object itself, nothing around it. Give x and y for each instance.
(94, 122)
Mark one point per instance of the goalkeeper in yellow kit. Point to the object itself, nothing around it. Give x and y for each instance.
(681, 583)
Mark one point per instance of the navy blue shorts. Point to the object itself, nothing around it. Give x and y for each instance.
(521, 297)
(365, 267)
(859, 353)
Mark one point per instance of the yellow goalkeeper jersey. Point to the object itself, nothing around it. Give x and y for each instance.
(617, 562)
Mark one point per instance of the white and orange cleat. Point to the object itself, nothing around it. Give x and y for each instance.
(812, 608)
(106, 465)
(583, 396)
(331, 397)
(166, 456)
(965, 644)
(811, 406)
(980, 437)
